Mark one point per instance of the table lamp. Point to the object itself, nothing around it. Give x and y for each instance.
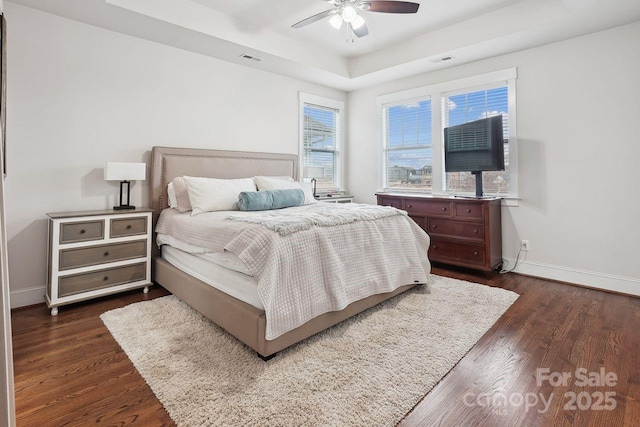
(125, 173)
(314, 173)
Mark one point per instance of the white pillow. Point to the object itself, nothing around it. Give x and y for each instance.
(171, 193)
(212, 194)
(284, 183)
(178, 194)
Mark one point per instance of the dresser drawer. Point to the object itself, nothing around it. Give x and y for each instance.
(468, 210)
(460, 229)
(72, 232)
(456, 252)
(422, 222)
(387, 201)
(79, 283)
(128, 227)
(427, 207)
(93, 255)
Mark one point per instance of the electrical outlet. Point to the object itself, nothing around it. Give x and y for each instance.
(525, 246)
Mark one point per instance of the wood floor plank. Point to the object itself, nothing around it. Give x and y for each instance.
(70, 371)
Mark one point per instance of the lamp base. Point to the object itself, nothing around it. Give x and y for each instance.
(123, 205)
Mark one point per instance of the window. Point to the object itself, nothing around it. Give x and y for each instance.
(459, 108)
(407, 140)
(321, 141)
(412, 127)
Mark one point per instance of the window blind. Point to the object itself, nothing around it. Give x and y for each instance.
(322, 143)
(466, 106)
(407, 141)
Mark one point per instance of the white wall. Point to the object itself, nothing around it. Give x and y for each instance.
(578, 112)
(79, 96)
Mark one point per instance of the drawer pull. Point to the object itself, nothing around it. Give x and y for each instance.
(83, 231)
(475, 252)
(475, 231)
(434, 226)
(468, 210)
(435, 246)
(105, 278)
(129, 227)
(106, 253)
(444, 209)
(409, 206)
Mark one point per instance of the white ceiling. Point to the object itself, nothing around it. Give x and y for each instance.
(398, 45)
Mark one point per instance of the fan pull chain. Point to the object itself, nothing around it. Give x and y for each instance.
(350, 35)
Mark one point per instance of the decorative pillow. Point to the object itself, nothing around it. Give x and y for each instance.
(270, 199)
(180, 198)
(264, 179)
(281, 183)
(212, 194)
(171, 195)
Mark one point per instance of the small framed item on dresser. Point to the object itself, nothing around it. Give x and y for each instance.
(97, 253)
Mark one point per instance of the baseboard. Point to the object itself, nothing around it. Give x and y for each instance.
(24, 297)
(591, 279)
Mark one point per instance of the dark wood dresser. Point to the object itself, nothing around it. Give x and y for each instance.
(464, 232)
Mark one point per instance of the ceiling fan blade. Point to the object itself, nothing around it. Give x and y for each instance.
(314, 18)
(390, 6)
(361, 31)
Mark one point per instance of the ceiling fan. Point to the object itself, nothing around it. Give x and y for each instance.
(347, 11)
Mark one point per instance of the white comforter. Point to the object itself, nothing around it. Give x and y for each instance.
(315, 270)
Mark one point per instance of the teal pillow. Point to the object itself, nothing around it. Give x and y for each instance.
(270, 199)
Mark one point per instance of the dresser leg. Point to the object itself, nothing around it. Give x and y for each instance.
(145, 290)
(54, 311)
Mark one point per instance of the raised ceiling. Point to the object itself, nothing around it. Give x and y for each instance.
(397, 45)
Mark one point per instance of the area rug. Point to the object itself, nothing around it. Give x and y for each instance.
(370, 370)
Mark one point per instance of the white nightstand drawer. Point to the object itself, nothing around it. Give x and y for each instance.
(84, 282)
(81, 231)
(128, 227)
(102, 254)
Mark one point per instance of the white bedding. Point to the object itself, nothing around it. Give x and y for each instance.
(200, 266)
(224, 259)
(304, 274)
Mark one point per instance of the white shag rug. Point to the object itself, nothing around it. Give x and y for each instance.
(370, 370)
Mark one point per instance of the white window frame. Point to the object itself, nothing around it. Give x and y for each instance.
(306, 98)
(435, 92)
(385, 149)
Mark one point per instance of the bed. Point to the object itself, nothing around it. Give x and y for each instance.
(244, 320)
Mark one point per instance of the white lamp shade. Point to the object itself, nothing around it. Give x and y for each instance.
(349, 13)
(357, 23)
(336, 21)
(119, 171)
(313, 172)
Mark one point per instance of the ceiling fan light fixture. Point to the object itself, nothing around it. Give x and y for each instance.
(358, 22)
(336, 21)
(349, 13)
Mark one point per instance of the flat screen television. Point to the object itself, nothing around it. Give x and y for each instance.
(475, 147)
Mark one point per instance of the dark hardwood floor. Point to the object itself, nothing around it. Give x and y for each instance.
(70, 371)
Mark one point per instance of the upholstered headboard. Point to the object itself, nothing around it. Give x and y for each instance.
(170, 162)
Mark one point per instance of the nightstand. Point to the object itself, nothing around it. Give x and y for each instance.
(96, 253)
(338, 198)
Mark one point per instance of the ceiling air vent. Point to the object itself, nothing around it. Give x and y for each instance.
(444, 58)
(251, 58)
